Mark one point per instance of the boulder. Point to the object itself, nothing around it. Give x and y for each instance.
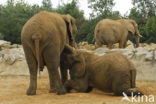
(9, 56)
(4, 45)
(101, 51)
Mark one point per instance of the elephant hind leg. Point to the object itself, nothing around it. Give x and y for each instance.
(64, 73)
(32, 64)
(120, 84)
(118, 91)
(52, 60)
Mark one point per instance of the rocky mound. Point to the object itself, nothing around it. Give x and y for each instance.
(12, 59)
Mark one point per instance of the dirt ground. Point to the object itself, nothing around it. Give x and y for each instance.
(13, 88)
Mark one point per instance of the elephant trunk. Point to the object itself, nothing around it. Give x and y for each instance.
(137, 40)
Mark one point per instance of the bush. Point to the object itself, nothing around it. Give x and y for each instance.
(151, 29)
(1, 36)
(12, 18)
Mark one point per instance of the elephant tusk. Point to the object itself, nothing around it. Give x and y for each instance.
(140, 36)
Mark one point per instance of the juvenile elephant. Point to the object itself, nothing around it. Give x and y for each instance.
(112, 72)
(109, 31)
(43, 38)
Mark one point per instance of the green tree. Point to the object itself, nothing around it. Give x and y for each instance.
(12, 18)
(47, 5)
(141, 12)
(72, 9)
(146, 7)
(1, 36)
(101, 7)
(151, 29)
(135, 15)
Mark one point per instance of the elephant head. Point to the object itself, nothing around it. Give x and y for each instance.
(132, 28)
(71, 28)
(75, 60)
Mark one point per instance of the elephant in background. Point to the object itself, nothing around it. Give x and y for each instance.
(109, 31)
(112, 72)
(43, 38)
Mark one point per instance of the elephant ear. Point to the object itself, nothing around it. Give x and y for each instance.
(71, 28)
(131, 27)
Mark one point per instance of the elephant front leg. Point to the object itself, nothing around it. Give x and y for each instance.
(78, 85)
(121, 44)
(125, 44)
(68, 85)
(64, 74)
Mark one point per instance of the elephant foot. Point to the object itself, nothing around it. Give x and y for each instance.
(67, 86)
(31, 92)
(136, 91)
(68, 89)
(52, 90)
(61, 91)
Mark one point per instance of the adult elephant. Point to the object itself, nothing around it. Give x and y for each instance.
(109, 31)
(43, 38)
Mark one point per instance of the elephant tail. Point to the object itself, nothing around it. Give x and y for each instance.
(133, 77)
(36, 39)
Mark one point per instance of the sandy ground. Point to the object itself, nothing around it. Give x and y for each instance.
(13, 88)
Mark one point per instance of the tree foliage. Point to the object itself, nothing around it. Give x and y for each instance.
(15, 13)
(12, 18)
(72, 9)
(151, 29)
(101, 7)
(146, 7)
(142, 11)
(47, 5)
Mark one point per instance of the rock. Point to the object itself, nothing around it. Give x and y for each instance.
(116, 45)
(4, 44)
(129, 43)
(9, 56)
(12, 59)
(83, 43)
(101, 51)
(151, 55)
(104, 46)
(14, 46)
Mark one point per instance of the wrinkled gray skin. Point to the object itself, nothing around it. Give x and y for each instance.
(108, 32)
(112, 72)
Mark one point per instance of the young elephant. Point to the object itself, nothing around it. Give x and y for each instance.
(112, 72)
